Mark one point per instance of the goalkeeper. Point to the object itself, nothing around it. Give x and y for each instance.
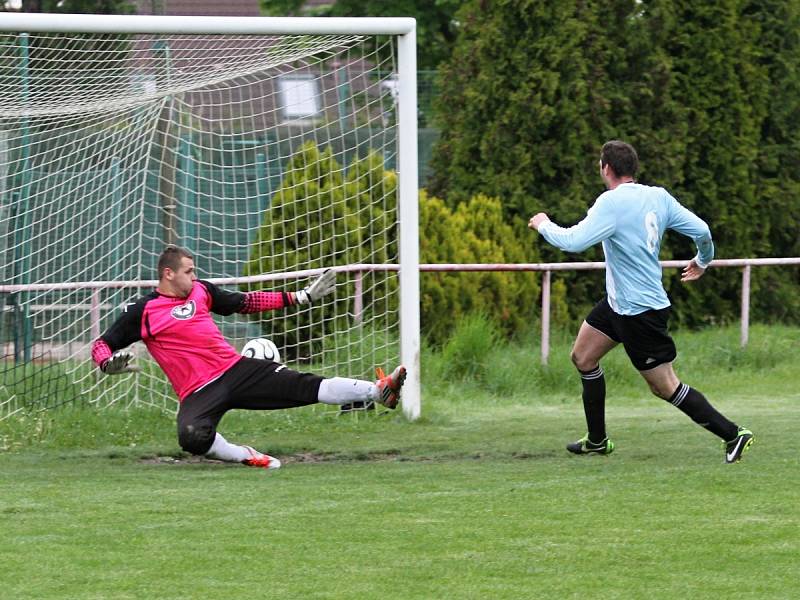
(208, 375)
(630, 219)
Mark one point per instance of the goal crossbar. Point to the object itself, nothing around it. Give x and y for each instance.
(53, 22)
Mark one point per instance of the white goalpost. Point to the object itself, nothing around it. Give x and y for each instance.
(271, 148)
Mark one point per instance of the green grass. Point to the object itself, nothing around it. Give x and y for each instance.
(478, 499)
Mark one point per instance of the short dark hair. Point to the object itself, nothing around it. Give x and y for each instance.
(621, 157)
(171, 258)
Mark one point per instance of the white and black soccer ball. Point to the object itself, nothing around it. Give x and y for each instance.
(263, 349)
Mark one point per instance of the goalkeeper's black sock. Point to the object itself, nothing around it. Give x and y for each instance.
(594, 403)
(694, 404)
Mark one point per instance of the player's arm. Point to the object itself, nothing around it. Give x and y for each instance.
(598, 225)
(108, 351)
(685, 222)
(226, 303)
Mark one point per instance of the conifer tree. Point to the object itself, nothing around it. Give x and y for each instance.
(715, 75)
(705, 90)
(778, 160)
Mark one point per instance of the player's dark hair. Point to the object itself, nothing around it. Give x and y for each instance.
(621, 157)
(171, 258)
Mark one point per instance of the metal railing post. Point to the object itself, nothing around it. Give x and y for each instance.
(745, 305)
(94, 314)
(545, 316)
(358, 299)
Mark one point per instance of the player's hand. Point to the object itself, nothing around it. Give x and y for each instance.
(692, 271)
(120, 363)
(321, 286)
(537, 220)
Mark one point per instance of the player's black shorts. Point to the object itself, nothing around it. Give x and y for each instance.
(644, 336)
(250, 384)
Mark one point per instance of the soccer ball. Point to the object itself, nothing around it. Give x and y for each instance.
(263, 349)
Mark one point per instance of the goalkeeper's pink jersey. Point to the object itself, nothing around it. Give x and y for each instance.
(180, 333)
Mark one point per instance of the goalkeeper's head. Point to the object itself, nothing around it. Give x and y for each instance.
(176, 272)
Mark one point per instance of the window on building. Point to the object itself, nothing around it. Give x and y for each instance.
(299, 97)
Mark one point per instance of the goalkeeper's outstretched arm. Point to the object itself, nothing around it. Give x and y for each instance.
(262, 301)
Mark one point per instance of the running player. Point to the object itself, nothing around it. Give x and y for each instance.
(208, 375)
(630, 220)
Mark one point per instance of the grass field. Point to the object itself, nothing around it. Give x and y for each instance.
(478, 499)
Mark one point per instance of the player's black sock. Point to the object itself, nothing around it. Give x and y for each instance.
(694, 404)
(594, 403)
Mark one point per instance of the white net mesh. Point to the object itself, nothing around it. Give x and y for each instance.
(261, 155)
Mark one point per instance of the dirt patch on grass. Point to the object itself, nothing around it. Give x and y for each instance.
(297, 457)
(393, 455)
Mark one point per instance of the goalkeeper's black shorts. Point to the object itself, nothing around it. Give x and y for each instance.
(644, 336)
(250, 384)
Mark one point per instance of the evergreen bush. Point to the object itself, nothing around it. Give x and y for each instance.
(475, 232)
(353, 211)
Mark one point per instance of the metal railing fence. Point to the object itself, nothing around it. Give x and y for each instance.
(746, 264)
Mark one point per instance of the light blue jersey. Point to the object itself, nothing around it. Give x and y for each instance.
(630, 220)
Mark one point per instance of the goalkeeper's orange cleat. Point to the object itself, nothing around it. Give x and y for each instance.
(389, 386)
(258, 459)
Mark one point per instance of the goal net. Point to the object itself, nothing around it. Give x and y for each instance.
(268, 156)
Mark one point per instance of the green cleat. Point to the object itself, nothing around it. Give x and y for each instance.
(584, 446)
(738, 445)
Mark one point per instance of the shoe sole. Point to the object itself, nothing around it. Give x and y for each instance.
(584, 453)
(273, 464)
(580, 451)
(393, 398)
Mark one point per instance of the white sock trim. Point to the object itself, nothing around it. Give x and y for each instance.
(593, 374)
(681, 395)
